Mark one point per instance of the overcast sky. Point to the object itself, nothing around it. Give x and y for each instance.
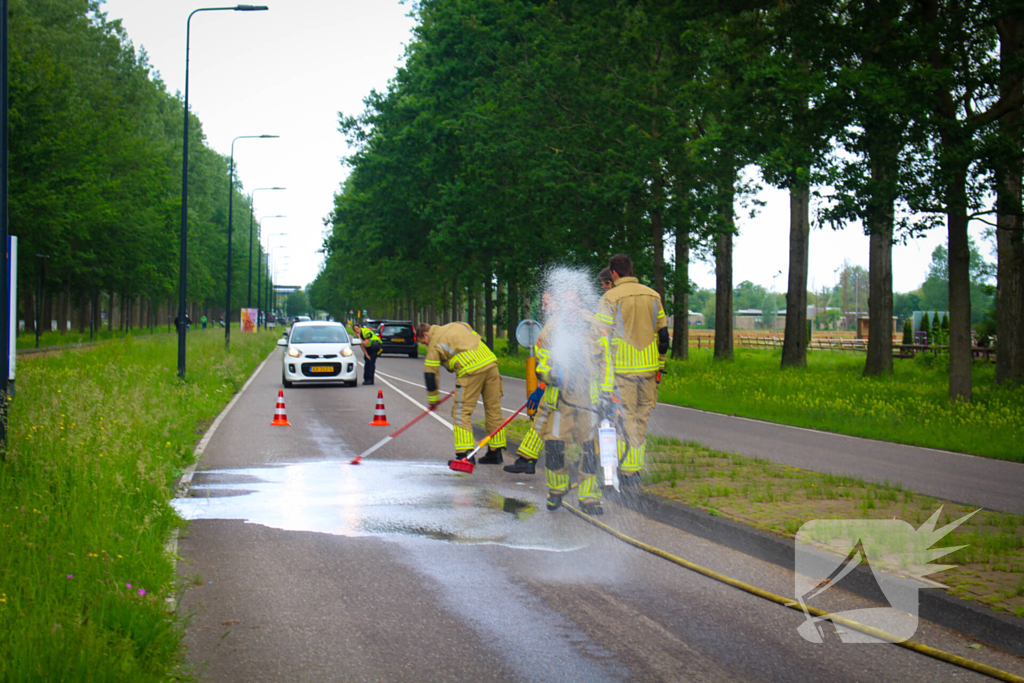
(290, 70)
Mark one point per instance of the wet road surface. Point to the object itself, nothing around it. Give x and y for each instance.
(305, 568)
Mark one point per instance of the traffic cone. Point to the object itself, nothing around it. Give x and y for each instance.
(280, 419)
(379, 419)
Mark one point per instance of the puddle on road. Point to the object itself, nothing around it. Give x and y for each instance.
(374, 498)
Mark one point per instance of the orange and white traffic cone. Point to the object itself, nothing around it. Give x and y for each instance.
(379, 419)
(280, 419)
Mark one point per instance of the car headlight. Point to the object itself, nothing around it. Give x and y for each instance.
(346, 352)
(294, 352)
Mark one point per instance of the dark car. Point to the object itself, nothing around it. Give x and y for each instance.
(399, 336)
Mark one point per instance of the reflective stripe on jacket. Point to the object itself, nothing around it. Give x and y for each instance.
(632, 314)
(458, 348)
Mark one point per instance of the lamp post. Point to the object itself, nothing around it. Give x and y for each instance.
(252, 199)
(231, 195)
(259, 300)
(835, 287)
(775, 303)
(183, 259)
(7, 278)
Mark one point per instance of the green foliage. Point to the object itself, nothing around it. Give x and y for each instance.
(908, 331)
(96, 439)
(95, 166)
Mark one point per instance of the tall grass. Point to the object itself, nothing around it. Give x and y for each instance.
(95, 442)
(911, 406)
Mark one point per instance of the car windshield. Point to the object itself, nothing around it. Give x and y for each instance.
(391, 330)
(318, 334)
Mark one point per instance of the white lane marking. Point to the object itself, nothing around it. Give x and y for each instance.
(434, 415)
(479, 401)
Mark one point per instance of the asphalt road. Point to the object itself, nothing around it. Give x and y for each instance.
(305, 568)
(967, 479)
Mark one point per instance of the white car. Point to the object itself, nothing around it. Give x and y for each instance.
(317, 352)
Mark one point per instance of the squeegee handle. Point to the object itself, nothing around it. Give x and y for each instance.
(387, 438)
(423, 414)
(492, 434)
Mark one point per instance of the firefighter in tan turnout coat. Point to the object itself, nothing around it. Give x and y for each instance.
(460, 350)
(635, 344)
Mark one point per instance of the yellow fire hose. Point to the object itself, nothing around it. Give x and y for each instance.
(792, 604)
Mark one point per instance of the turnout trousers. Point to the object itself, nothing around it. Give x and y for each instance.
(568, 420)
(469, 388)
(639, 395)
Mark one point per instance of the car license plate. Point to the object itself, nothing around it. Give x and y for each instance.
(397, 339)
(321, 368)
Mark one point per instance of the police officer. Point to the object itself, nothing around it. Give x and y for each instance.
(372, 348)
(635, 344)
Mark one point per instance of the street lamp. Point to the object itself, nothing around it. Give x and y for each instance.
(835, 287)
(260, 270)
(231, 195)
(252, 199)
(183, 259)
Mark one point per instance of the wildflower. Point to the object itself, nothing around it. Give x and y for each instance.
(142, 592)
(71, 576)
(128, 586)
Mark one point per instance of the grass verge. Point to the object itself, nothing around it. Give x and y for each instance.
(911, 406)
(779, 499)
(95, 442)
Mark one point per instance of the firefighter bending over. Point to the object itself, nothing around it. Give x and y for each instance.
(460, 350)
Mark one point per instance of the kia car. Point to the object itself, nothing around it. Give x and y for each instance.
(317, 352)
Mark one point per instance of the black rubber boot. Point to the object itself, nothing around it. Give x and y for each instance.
(462, 456)
(522, 466)
(554, 501)
(593, 509)
(493, 457)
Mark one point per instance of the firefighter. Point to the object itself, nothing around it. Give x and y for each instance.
(532, 444)
(570, 399)
(634, 345)
(372, 348)
(460, 350)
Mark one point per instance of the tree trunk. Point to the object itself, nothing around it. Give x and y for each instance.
(513, 315)
(723, 283)
(501, 309)
(794, 345)
(879, 360)
(489, 312)
(681, 297)
(62, 307)
(959, 287)
(880, 227)
(1010, 222)
(471, 309)
(658, 234)
(455, 301)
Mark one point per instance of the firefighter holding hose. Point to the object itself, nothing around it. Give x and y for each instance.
(635, 344)
(460, 350)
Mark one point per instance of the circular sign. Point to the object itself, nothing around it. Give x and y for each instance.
(527, 332)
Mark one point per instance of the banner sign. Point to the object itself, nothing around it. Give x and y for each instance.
(248, 318)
